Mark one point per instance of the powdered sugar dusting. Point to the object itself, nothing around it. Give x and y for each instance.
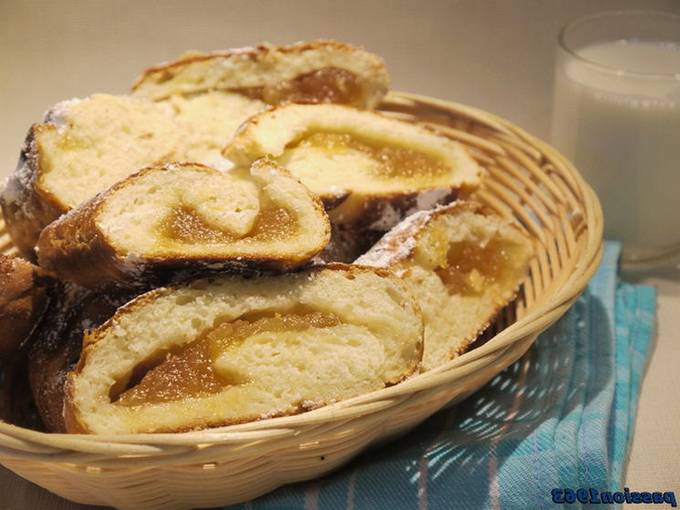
(11, 194)
(337, 190)
(398, 243)
(218, 162)
(57, 114)
(431, 197)
(16, 187)
(389, 216)
(392, 212)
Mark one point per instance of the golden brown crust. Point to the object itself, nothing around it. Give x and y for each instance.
(75, 249)
(57, 345)
(250, 53)
(74, 426)
(24, 296)
(71, 413)
(26, 207)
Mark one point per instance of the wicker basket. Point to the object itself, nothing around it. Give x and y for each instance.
(527, 180)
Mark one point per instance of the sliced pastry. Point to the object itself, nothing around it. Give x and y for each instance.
(25, 293)
(212, 94)
(186, 217)
(184, 111)
(463, 265)
(321, 71)
(229, 350)
(56, 345)
(370, 170)
(82, 148)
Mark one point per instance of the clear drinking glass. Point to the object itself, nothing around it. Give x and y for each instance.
(616, 115)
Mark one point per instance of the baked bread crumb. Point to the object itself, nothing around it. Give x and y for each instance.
(229, 350)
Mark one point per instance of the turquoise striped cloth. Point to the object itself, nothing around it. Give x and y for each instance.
(562, 416)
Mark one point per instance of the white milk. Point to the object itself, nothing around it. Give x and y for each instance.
(622, 131)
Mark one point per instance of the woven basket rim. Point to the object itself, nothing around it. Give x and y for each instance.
(538, 317)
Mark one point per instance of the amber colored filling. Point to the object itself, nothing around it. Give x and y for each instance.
(472, 268)
(190, 372)
(393, 160)
(186, 226)
(327, 85)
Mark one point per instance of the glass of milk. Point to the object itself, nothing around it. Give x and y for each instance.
(616, 116)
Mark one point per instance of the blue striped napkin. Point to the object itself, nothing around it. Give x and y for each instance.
(562, 416)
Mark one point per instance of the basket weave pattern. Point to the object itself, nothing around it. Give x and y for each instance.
(526, 180)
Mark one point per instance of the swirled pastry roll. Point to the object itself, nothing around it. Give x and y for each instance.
(321, 71)
(463, 265)
(83, 147)
(229, 350)
(370, 170)
(186, 217)
(183, 111)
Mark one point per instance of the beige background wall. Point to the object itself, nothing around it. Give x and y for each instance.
(495, 54)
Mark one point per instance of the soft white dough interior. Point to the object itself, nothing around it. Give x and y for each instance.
(302, 366)
(227, 202)
(208, 127)
(231, 203)
(102, 139)
(377, 341)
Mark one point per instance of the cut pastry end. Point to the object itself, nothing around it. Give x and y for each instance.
(83, 147)
(230, 350)
(463, 265)
(87, 145)
(24, 297)
(320, 71)
(353, 158)
(187, 216)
